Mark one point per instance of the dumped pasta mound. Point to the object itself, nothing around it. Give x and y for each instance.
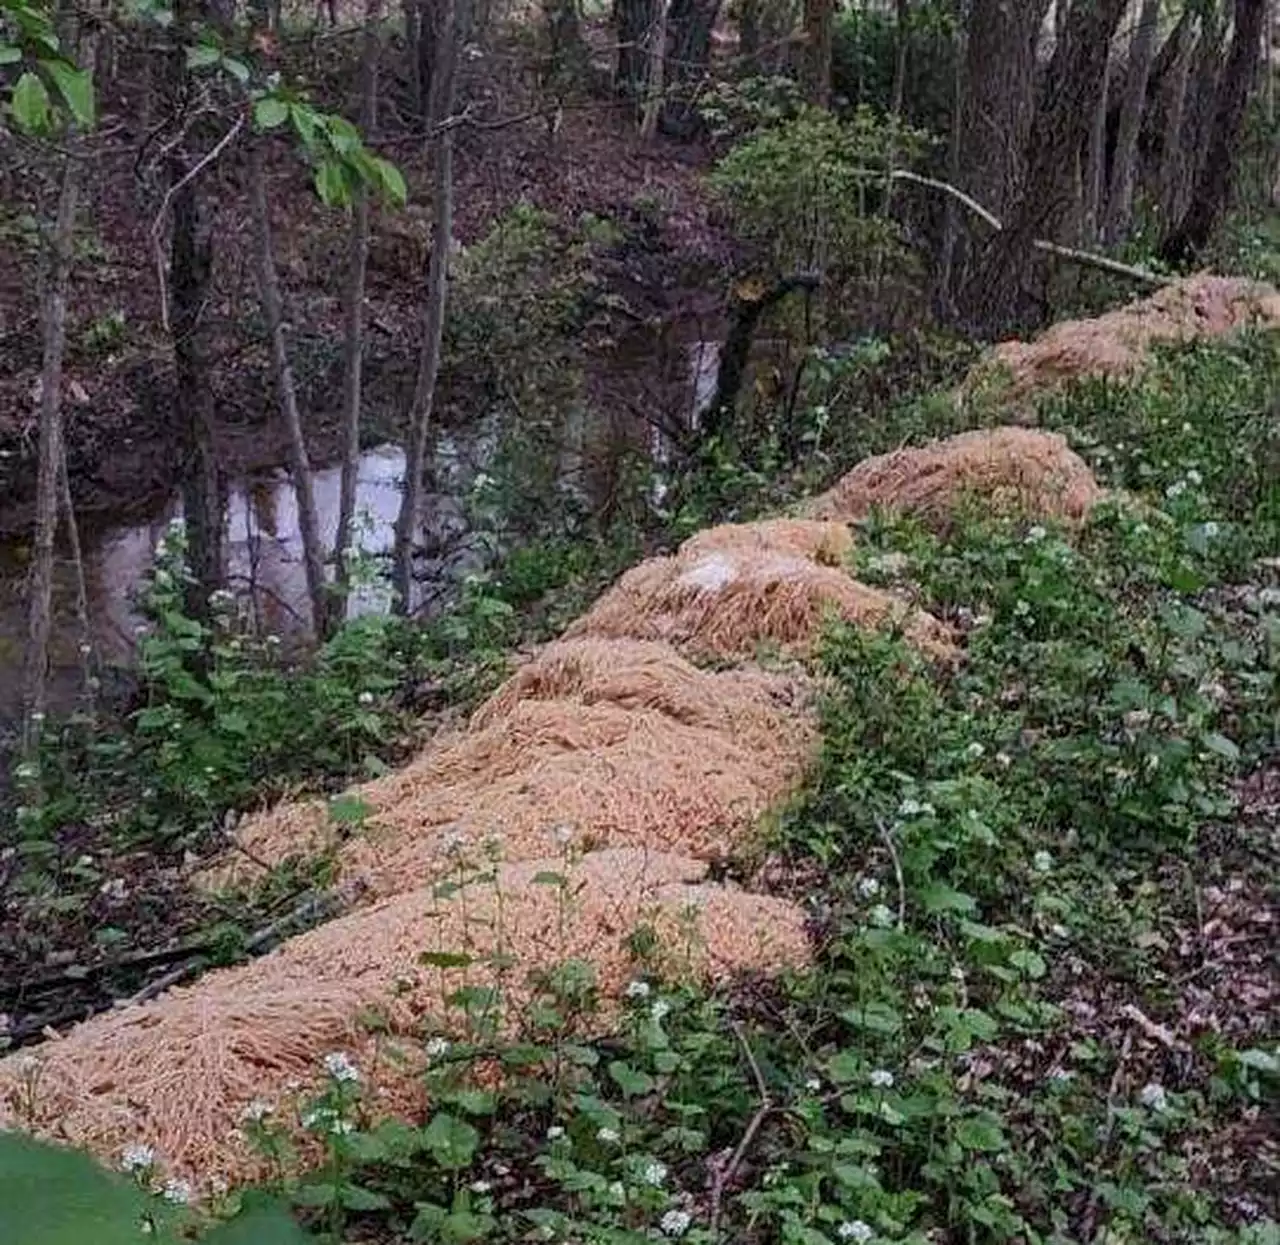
(1017, 470)
(180, 1074)
(731, 589)
(1115, 344)
(606, 743)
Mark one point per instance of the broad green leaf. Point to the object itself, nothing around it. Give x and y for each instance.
(343, 136)
(451, 1141)
(203, 55)
(630, 1080)
(1220, 744)
(393, 184)
(76, 88)
(445, 959)
(875, 1016)
(980, 1132)
(9, 55)
(266, 1222)
(354, 1197)
(331, 184)
(349, 810)
(30, 104)
(938, 897)
(320, 1194)
(269, 112)
(306, 122)
(54, 1196)
(1030, 962)
(236, 68)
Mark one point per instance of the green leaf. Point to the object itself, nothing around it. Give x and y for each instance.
(393, 184)
(451, 1141)
(269, 112)
(938, 897)
(354, 1197)
(54, 1196)
(237, 69)
(203, 55)
(982, 1133)
(264, 1222)
(445, 959)
(76, 88)
(876, 1017)
(631, 1081)
(1030, 963)
(343, 136)
(1220, 744)
(331, 184)
(30, 104)
(9, 55)
(320, 1194)
(349, 810)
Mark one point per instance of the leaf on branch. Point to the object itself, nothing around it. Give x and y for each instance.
(76, 88)
(331, 184)
(269, 113)
(202, 56)
(31, 104)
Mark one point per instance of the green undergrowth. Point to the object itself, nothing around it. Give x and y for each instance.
(1017, 1028)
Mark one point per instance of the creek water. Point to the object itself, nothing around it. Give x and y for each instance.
(264, 553)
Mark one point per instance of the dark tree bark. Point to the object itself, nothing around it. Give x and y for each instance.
(189, 287)
(1124, 170)
(435, 297)
(998, 296)
(1171, 75)
(1094, 181)
(819, 30)
(1213, 187)
(632, 19)
(689, 26)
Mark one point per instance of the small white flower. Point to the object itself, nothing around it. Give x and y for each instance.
(1153, 1097)
(1186, 426)
(1042, 862)
(882, 1078)
(1211, 529)
(273, 640)
(437, 1047)
(562, 836)
(37, 716)
(256, 1111)
(974, 750)
(339, 1066)
(84, 862)
(675, 1223)
(340, 1127)
(85, 649)
(177, 1191)
(1021, 609)
(365, 698)
(637, 989)
(655, 1174)
(910, 808)
(813, 1085)
(137, 1158)
(114, 888)
(609, 1136)
(617, 1192)
(1176, 489)
(313, 1119)
(1004, 760)
(660, 1011)
(1035, 534)
(1194, 477)
(868, 888)
(555, 1132)
(854, 1230)
(480, 1186)
(881, 915)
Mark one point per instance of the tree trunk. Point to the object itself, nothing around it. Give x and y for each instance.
(819, 30)
(1199, 107)
(76, 551)
(1119, 209)
(190, 279)
(286, 392)
(353, 333)
(747, 13)
(902, 33)
(434, 311)
(1174, 84)
(40, 586)
(426, 51)
(657, 59)
(631, 22)
(1212, 192)
(997, 296)
(1094, 186)
(689, 23)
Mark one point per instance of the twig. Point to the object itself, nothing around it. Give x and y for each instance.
(1156, 1032)
(897, 872)
(726, 1174)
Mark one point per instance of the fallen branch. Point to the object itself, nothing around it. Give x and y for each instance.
(1087, 259)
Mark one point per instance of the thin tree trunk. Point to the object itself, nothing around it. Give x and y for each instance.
(902, 30)
(1095, 167)
(1142, 49)
(353, 335)
(189, 286)
(434, 311)
(85, 643)
(657, 59)
(688, 57)
(54, 308)
(1173, 101)
(819, 31)
(286, 392)
(1212, 192)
